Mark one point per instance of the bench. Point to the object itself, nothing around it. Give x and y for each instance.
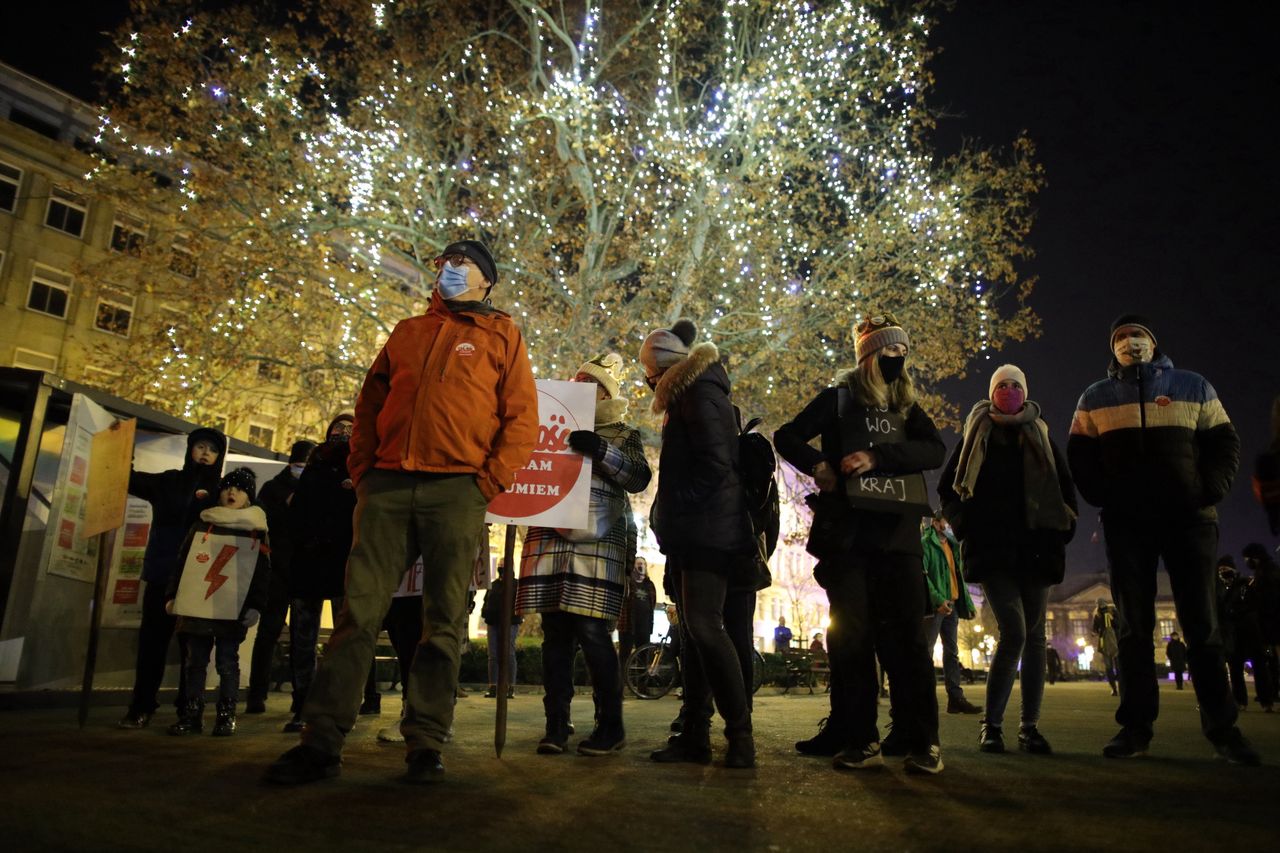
(797, 669)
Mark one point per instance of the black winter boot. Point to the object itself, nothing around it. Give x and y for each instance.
(742, 752)
(556, 740)
(829, 740)
(190, 722)
(691, 745)
(225, 725)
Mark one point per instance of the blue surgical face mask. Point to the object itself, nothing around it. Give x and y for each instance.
(453, 281)
(297, 469)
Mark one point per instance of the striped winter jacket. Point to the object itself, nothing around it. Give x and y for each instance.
(582, 571)
(1151, 441)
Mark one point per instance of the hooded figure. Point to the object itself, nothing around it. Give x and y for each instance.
(320, 517)
(177, 497)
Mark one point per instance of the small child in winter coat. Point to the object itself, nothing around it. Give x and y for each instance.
(236, 516)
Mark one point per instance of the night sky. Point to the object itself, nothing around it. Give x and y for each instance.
(1150, 121)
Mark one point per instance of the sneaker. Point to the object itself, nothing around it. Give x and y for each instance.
(962, 706)
(924, 762)
(826, 742)
(1126, 744)
(892, 746)
(603, 741)
(424, 768)
(303, 764)
(865, 757)
(511, 693)
(135, 720)
(990, 738)
(552, 745)
(492, 692)
(684, 748)
(1235, 749)
(1030, 740)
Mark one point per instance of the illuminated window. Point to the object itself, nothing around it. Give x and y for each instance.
(10, 181)
(50, 291)
(67, 212)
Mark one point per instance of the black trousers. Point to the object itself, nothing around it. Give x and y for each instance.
(561, 633)
(226, 654)
(877, 608)
(403, 624)
(1250, 647)
(715, 642)
(153, 652)
(1188, 551)
(264, 644)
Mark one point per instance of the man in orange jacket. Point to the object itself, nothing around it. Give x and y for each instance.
(447, 414)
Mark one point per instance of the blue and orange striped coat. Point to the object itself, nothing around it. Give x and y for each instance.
(1152, 441)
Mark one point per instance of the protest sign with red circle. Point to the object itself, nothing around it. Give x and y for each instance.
(554, 488)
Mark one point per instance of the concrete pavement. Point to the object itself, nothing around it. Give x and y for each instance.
(106, 789)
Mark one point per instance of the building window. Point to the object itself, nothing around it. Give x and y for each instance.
(269, 371)
(115, 312)
(50, 291)
(32, 360)
(1080, 628)
(1167, 627)
(263, 436)
(10, 181)
(218, 422)
(128, 234)
(182, 260)
(67, 212)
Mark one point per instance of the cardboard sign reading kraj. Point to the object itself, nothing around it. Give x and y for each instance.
(216, 576)
(554, 488)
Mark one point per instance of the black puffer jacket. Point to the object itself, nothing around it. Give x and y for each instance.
(176, 502)
(320, 525)
(923, 450)
(992, 525)
(700, 502)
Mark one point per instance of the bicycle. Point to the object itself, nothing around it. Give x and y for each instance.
(653, 669)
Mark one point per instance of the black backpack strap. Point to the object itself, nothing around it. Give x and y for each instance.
(751, 424)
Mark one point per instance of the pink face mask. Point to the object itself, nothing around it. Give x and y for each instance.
(1009, 400)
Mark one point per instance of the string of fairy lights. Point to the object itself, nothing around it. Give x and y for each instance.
(744, 176)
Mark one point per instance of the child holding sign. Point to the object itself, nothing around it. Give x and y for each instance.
(217, 595)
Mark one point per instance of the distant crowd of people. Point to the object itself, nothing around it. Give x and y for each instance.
(448, 413)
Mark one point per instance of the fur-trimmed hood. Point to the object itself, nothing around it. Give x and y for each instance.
(680, 376)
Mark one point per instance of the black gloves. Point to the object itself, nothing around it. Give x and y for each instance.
(587, 443)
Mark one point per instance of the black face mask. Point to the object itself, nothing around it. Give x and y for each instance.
(340, 438)
(891, 367)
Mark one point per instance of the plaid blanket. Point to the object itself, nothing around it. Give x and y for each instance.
(585, 576)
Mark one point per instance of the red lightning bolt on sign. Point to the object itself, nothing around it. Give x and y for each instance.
(214, 576)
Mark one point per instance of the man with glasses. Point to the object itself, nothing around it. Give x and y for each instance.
(447, 414)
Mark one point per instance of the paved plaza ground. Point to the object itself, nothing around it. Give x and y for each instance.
(104, 789)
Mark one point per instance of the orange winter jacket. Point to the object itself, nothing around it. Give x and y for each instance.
(449, 393)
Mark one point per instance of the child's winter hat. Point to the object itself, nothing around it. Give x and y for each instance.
(875, 333)
(605, 369)
(1007, 371)
(301, 451)
(666, 347)
(243, 479)
(1133, 320)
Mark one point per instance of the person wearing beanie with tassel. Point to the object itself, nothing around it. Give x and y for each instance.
(702, 525)
(1008, 495)
(575, 578)
(1153, 448)
(236, 518)
(871, 425)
